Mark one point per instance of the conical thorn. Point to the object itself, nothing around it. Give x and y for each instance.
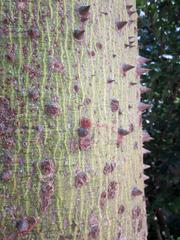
(142, 60)
(145, 151)
(145, 177)
(143, 106)
(146, 137)
(120, 25)
(146, 166)
(144, 89)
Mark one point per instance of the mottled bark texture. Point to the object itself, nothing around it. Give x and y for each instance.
(70, 121)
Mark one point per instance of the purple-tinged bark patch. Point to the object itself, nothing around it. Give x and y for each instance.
(112, 188)
(103, 198)
(85, 142)
(33, 33)
(56, 66)
(85, 123)
(121, 209)
(109, 167)
(47, 167)
(33, 93)
(84, 13)
(136, 212)
(80, 179)
(82, 132)
(136, 192)
(93, 227)
(79, 35)
(73, 145)
(6, 175)
(52, 109)
(26, 225)
(114, 105)
(99, 45)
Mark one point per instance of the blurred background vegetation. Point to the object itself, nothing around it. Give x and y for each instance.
(159, 40)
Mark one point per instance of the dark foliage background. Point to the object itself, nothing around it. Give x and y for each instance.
(159, 40)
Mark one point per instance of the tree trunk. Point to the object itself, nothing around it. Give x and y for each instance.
(70, 130)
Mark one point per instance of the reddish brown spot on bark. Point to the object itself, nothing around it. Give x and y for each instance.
(52, 109)
(136, 212)
(93, 226)
(73, 145)
(94, 231)
(131, 127)
(120, 25)
(112, 187)
(123, 132)
(7, 159)
(56, 66)
(33, 33)
(85, 143)
(33, 94)
(46, 193)
(85, 123)
(136, 192)
(21, 6)
(79, 35)
(91, 53)
(87, 101)
(47, 167)
(140, 224)
(47, 189)
(114, 105)
(6, 175)
(108, 168)
(121, 210)
(76, 88)
(25, 225)
(120, 135)
(10, 57)
(99, 45)
(80, 179)
(110, 80)
(22, 225)
(84, 13)
(8, 142)
(103, 198)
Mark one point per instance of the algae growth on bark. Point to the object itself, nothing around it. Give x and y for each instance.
(71, 155)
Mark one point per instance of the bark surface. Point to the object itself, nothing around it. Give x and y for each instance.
(70, 128)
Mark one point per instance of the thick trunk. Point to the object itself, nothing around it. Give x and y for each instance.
(70, 133)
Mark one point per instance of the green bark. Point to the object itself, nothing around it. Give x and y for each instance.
(70, 136)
